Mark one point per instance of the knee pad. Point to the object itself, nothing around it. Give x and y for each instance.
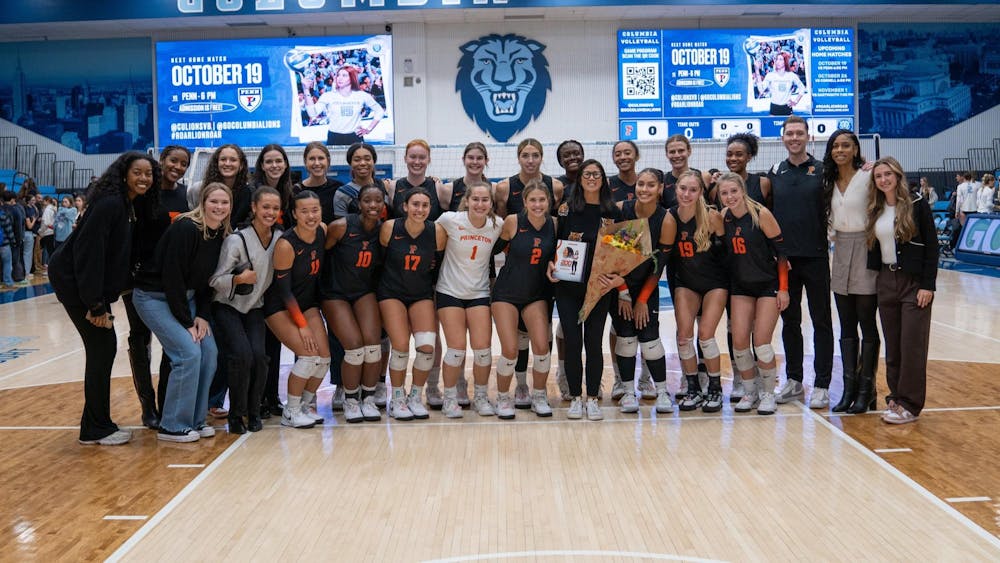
(426, 338)
(304, 365)
(373, 353)
(765, 353)
(423, 361)
(398, 360)
(626, 346)
(685, 348)
(522, 340)
(709, 348)
(321, 367)
(482, 357)
(505, 366)
(559, 331)
(542, 364)
(743, 359)
(652, 350)
(453, 357)
(354, 356)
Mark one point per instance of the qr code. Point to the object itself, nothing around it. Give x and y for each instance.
(642, 81)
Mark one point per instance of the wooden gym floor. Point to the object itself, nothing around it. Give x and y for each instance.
(800, 485)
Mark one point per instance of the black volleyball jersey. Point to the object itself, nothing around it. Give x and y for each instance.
(457, 191)
(690, 267)
(620, 191)
(349, 268)
(305, 273)
(637, 277)
(668, 198)
(523, 279)
(408, 264)
(403, 187)
(515, 195)
(751, 259)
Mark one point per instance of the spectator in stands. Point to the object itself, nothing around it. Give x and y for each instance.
(65, 219)
(80, 202)
(986, 194)
(928, 191)
(46, 233)
(28, 187)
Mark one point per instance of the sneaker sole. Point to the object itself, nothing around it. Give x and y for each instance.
(595, 419)
(290, 425)
(745, 410)
(663, 411)
(629, 410)
(505, 416)
(574, 417)
(735, 398)
(454, 416)
(765, 412)
(710, 408)
(689, 408)
(523, 406)
(542, 414)
(784, 400)
(177, 439)
(435, 407)
(354, 420)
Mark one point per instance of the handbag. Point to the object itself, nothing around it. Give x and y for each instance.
(243, 288)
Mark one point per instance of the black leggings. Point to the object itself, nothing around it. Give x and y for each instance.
(855, 310)
(579, 338)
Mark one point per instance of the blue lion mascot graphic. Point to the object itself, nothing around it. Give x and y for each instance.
(503, 80)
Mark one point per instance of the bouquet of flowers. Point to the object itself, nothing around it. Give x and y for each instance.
(621, 247)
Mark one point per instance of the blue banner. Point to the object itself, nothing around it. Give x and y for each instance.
(289, 91)
(709, 84)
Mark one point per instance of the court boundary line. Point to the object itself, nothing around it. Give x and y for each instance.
(571, 553)
(161, 515)
(962, 519)
(952, 327)
(40, 364)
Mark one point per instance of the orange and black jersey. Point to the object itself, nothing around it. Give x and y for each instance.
(637, 277)
(515, 194)
(620, 191)
(403, 186)
(668, 198)
(699, 271)
(349, 270)
(458, 188)
(752, 257)
(304, 273)
(408, 274)
(523, 279)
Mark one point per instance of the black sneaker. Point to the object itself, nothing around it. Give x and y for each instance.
(713, 401)
(178, 436)
(691, 401)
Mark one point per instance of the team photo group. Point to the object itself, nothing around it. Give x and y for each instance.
(402, 277)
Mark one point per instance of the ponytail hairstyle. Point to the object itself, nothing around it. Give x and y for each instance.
(752, 206)
(703, 226)
(905, 228)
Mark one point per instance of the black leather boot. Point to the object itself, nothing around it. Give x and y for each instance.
(849, 359)
(143, 382)
(866, 378)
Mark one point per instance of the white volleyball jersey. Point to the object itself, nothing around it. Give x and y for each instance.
(465, 268)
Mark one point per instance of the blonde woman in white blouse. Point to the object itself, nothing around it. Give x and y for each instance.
(984, 197)
(845, 185)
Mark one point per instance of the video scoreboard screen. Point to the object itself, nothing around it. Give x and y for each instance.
(712, 83)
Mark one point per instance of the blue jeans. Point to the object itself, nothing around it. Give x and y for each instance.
(28, 251)
(192, 363)
(7, 259)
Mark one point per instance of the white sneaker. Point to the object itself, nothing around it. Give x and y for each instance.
(791, 391)
(575, 409)
(522, 400)
(450, 408)
(899, 415)
(505, 407)
(483, 406)
(399, 410)
(381, 396)
(369, 411)
(563, 386)
(737, 393)
(167, 436)
(820, 398)
(646, 388)
(750, 399)
(205, 431)
(767, 404)
(338, 400)
(463, 392)
(594, 411)
(116, 438)
(296, 419)
(310, 411)
(352, 411)
(618, 390)
(664, 404)
(540, 404)
(434, 398)
(628, 404)
(417, 408)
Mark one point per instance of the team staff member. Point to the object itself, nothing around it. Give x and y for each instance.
(353, 254)
(463, 297)
(759, 290)
(474, 159)
(174, 161)
(636, 323)
(797, 204)
(522, 291)
(88, 273)
(904, 250)
(580, 218)
(291, 307)
(174, 300)
(845, 198)
(701, 288)
(406, 298)
(417, 157)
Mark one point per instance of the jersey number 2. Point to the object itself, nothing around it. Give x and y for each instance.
(536, 256)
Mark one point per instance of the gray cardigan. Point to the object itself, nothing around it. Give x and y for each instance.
(232, 255)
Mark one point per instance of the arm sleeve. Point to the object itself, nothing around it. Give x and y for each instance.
(178, 249)
(90, 253)
(283, 284)
(777, 246)
(500, 245)
(232, 255)
(661, 255)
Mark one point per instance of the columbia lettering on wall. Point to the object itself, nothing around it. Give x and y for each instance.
(503, 82)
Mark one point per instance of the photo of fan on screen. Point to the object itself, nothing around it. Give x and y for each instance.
(779, 75)
(340, 90)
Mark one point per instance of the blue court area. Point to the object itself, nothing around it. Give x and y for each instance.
(27, 292)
